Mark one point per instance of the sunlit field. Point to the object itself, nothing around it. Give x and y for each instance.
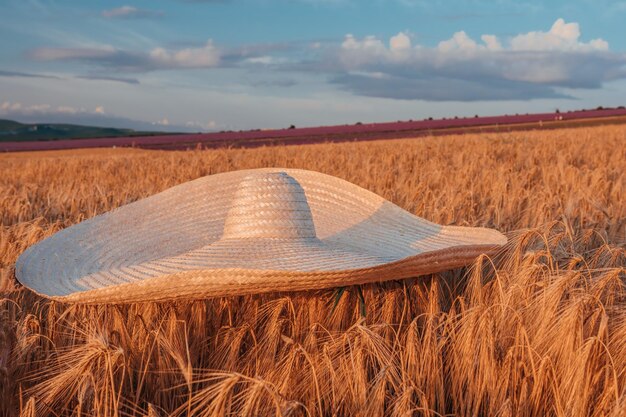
(537, 330)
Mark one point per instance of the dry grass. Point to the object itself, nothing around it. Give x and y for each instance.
(538, 330)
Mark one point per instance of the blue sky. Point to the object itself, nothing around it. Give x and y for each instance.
(238, 64)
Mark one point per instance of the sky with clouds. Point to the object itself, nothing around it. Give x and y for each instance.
(200, 65)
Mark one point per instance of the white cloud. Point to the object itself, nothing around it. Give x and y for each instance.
(536, 64)
(68, 110)
(459, 42)
(20, 110)
(265, 60)
(369, 45)
(208, 126)
(400, 42)
(355, 53)
(529, 65)
(203, 57)
(206, 56)
(561, 37)
(8, 108)
(492, 42)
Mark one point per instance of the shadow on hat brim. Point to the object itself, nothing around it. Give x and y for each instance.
(200, 284)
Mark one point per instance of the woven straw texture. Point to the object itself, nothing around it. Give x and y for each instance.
(245, 232)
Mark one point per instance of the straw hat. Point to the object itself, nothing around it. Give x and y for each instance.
(243, 232)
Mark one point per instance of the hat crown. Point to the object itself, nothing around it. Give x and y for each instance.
(269, 205)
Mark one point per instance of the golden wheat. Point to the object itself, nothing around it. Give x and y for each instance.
(538, 330)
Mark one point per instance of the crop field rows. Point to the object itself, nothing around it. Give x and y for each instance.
(539, 329)
(333, 134)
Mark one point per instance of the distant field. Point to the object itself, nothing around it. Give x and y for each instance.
(343, 133)
(539, 330)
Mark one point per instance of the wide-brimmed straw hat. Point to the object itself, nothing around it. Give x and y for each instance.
(244, 232)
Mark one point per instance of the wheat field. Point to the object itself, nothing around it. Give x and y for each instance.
(537, 330)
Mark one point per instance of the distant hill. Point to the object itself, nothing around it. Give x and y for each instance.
(12, 131)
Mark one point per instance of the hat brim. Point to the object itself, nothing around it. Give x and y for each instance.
(169, 246)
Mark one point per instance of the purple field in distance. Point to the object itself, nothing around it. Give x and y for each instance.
(341, 133)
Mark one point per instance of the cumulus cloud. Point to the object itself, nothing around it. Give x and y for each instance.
(492, 42)
(561, 37)
(400, 42)
(206, 56)
(130, 12)
(530, 65)
(459, 42)
(367, 48)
